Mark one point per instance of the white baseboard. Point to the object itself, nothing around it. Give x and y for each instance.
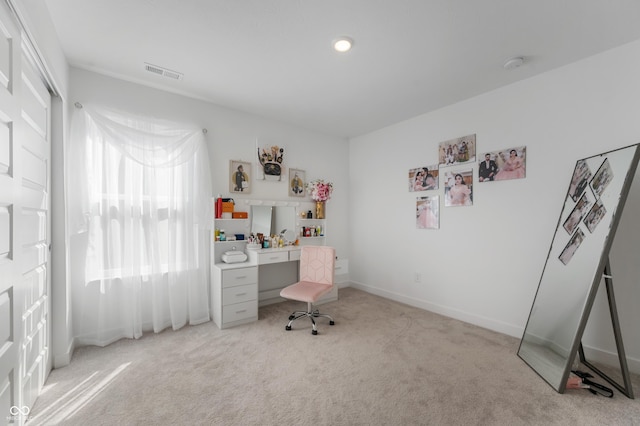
(600, 356)
(488, 323)
(64, 359)
(595, 355)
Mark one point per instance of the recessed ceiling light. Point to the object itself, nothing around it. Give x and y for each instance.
(342, 44)
(513, 63)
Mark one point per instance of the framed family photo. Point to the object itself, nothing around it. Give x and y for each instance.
(457, 151)
(239, 177)
(297, 181)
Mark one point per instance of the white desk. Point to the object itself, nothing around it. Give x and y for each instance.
(239, 288)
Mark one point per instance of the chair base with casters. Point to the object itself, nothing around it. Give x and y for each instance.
(317, 273)
(311, 314)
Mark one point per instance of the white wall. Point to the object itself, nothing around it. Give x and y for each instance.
(231, 135)
(484, 263)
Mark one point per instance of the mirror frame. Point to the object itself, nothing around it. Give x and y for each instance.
(274, 204)
(591, 290)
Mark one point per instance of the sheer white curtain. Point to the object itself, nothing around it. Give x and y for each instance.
(139, 194)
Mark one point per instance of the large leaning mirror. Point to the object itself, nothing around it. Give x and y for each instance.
(576, 262)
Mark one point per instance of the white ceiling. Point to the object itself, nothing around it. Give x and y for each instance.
(274, 57)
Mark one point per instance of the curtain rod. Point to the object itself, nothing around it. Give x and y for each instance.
(79, 106)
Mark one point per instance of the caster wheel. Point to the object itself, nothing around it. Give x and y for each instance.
(287, 327)
(314, 332)
(290, 317)
(332, 323)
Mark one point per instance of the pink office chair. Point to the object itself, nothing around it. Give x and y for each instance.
(317, 270)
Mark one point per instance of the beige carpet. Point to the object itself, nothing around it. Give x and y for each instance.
(383, 363)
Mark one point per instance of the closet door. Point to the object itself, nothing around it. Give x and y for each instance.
(24, 227)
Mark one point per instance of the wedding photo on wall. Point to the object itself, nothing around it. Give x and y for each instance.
(423, 178)
(503, 165)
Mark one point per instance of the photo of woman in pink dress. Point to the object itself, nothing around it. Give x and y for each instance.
(513, 167)
(427, 212)
(457, 191)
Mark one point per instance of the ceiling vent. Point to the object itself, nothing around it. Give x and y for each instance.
(163, 71)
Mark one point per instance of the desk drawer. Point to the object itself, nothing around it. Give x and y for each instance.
(242, 276)
(241, 293)
(275, 257)
(240, 311)
(294, 255)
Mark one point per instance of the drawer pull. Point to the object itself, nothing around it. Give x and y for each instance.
(240, 294)
(274, 258)
(242, 311)
(241, 277)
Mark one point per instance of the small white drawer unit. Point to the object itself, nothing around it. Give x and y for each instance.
(234, 294)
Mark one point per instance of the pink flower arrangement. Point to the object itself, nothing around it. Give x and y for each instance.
(319, 190)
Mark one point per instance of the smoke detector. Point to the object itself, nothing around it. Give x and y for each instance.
(163, 71)
(513, 63)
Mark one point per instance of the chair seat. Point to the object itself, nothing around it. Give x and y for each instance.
(305, 291)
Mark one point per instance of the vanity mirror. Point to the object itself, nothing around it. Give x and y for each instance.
(274, 220)
(577, 260)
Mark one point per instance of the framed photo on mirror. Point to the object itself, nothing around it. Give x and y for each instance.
(602, 178)
(595, 216)
(579, 179)
(578, 212)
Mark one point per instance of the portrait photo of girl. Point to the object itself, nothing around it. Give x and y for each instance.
(458, 188)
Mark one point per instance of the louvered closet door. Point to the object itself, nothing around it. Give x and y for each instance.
(24, 227)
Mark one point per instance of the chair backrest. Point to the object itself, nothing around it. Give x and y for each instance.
(317, 264)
